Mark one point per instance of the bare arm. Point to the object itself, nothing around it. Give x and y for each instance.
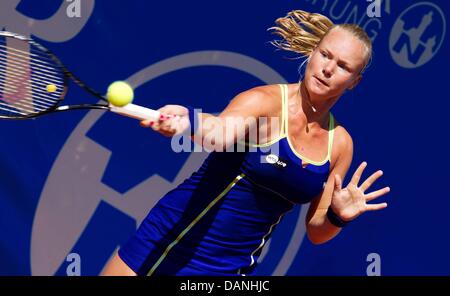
(319, 228)
(216, 132)
(347, 203)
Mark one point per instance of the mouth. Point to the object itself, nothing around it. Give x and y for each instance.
(321, 81)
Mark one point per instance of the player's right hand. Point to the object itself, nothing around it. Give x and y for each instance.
(174, 120)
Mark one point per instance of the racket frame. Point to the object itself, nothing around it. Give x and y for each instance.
(130, 110)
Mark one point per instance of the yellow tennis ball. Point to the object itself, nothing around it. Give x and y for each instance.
(51, 88)
(120, 93)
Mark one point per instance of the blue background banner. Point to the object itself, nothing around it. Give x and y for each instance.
(80, 182)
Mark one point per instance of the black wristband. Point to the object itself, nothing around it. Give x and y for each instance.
(193, 120)
(335, 219)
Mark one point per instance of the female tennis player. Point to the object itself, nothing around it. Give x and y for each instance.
(217, 221)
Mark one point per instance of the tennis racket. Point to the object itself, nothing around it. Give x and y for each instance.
(34, 82)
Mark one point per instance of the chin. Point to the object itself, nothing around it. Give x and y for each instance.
(314, 88)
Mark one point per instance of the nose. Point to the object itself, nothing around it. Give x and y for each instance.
(328, 69)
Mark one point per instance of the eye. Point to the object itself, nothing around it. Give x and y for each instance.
(324, 54)
(343, 67)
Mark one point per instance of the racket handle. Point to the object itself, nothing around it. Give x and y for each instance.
(135, 111)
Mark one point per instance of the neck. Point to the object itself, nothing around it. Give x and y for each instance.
(316, 109)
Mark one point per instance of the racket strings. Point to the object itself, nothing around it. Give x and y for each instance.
(13, 111)
(27, 54)
(29, 105)
(13, 107)
(20, 83)
(30, 81)
(18, 91)
(19, 105)
(31, 101)
(52, 71)
(47, 71)
(21, 88)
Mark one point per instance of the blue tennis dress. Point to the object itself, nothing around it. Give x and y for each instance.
(217, 221)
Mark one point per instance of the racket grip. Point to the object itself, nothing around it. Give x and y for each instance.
(135, 111)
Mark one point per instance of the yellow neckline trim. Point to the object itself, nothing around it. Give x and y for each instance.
(330, 132)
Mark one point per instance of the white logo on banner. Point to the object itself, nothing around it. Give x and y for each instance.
(74, 268)
(374, 268)
(74, 190)
(413, 42)
(358, 13)
(374, 8)
(74, 9)
(57, 28)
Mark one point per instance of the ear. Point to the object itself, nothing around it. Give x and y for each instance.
(355, 82)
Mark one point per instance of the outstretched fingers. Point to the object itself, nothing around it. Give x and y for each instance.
(358, 173)
(376, 207)
(369, 181)
(377, 193)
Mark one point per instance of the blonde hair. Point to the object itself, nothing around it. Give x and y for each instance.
(302, 31)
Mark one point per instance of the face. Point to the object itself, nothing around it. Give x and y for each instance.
(335, 64)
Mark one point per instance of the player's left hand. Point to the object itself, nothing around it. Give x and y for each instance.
(351, 201)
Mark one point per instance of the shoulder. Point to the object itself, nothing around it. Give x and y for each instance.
(342, 137)
(264, 91)
(342, 144)
(260, 99)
